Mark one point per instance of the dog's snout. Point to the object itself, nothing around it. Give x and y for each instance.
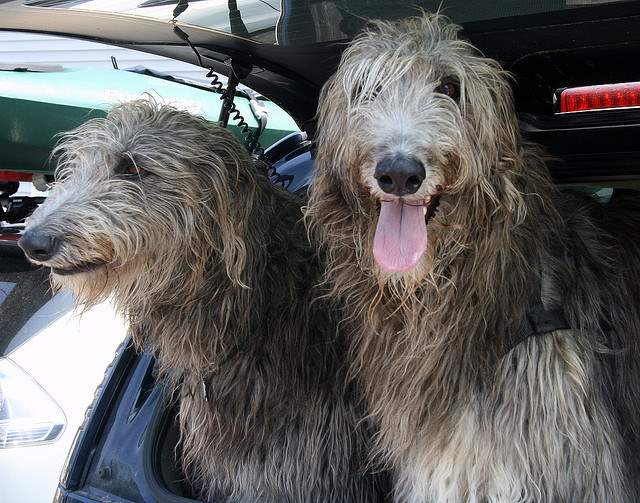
(39, 245)
(399, 175)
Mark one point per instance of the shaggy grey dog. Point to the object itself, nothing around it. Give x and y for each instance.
(493, 320)
(165, 213)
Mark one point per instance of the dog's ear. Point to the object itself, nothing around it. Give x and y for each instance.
(487, 107)
(333, 197)
(491, 125)
(228, 186)
(493, 135)
(336, 160)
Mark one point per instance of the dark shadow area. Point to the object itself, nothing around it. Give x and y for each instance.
(23, 290)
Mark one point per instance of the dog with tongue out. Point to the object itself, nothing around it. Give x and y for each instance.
(485, 306)
(401, 234)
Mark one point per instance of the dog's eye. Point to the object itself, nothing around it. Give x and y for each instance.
(449, 88)
(126, 167)
(133, 170)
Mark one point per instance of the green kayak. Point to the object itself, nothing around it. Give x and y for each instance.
(35, 107)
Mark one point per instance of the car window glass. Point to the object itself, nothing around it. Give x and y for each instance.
(301, 21)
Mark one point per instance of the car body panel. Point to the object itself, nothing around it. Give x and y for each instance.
(116, 448)
(54, 337)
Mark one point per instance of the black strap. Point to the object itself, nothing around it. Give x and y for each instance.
(538, 321)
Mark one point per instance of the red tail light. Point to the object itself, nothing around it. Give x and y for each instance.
(580, 99)
(15, 176)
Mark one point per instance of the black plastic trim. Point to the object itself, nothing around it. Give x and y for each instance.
(150, 455)
(578, 120)
(75, 470)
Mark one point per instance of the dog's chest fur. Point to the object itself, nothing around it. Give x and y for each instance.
(269, 424)
(514, 439)
(462, 415)
(265, 410)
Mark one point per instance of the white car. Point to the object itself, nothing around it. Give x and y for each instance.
(48, 376)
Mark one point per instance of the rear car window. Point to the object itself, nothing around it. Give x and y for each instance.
(292, 22)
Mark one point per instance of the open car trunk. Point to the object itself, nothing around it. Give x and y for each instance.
(127, 447)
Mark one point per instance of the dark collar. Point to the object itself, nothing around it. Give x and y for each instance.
(538, 320)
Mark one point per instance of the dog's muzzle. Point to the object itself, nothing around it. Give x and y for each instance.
(39, 245)
(399, 175)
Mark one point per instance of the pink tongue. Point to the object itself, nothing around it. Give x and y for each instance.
(401, 236)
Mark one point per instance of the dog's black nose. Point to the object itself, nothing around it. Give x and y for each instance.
(399, 175)
(39, 245)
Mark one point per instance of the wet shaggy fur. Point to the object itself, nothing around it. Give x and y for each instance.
(165, 213)
(466, 413)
